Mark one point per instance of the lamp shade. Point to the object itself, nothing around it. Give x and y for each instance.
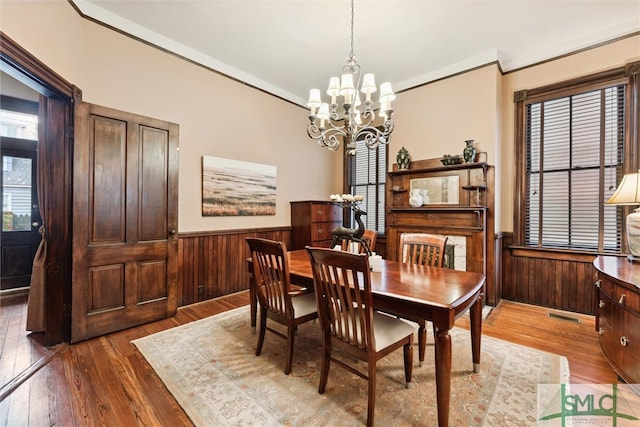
(628, 193)
(368, 83)
(314, 98)
(334, 86)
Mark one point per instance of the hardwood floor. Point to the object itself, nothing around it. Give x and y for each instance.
(105, 381)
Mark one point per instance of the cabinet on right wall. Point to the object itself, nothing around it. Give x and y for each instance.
(618, 315)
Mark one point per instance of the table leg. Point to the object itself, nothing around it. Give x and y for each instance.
(253, 301)
(476, 332)
(443, 375)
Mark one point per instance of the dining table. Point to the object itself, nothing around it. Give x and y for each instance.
(439, 295)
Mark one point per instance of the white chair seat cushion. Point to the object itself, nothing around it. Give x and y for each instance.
(304, 304)
(388, 330)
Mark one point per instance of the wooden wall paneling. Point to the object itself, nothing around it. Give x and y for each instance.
(559, 280)
(213, 264)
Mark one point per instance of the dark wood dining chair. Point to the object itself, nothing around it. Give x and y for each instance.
(277, 301)
(424, 249)
(368, 236)
(350, 325)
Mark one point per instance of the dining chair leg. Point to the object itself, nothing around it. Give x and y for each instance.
(371, 404)
(407, 351)
(263, 330)
(324, 370)
(291, 333)
(422, 342)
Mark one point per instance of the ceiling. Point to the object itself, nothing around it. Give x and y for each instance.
(286, 47)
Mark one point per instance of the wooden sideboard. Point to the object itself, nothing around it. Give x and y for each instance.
(461, 204)
(618, 315)
(312, 222)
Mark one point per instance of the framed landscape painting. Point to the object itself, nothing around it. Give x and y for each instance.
(237, 188)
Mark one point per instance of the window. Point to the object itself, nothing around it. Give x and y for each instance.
(573, 147)
(366, 176)
(18, 118)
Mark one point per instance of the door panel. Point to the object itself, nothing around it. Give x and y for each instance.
(125, 211)
(153, 185)
(20, 215)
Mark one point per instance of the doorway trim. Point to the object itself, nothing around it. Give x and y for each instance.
(58, 100)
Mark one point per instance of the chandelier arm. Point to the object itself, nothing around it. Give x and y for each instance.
(372, 136)
(326, 137)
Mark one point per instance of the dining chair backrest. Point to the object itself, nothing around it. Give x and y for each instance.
(278, 302)
(343, 293)
(271, 274)
(349, 323)
(422, 248)
(368, 236)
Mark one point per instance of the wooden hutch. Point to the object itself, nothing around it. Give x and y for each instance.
(462, 204)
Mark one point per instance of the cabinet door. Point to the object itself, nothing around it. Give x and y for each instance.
(629, 343)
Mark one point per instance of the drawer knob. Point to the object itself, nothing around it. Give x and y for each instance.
(601, 331)
(624, 341)
(601, 304)
(622, 298)
(598, 282)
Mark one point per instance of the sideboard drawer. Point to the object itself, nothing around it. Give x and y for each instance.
(322, 230)
(326, 213)
(606, 287)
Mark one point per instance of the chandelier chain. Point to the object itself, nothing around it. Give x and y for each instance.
(352, 25)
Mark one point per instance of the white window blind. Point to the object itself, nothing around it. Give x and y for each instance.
(574, 156)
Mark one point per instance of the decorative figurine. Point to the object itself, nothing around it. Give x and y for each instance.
(415, 199)
(403, 158)
(351, 234)
(469, 152)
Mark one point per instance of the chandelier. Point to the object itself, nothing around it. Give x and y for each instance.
(354, 122)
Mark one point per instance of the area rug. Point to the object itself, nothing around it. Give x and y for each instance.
(209, 366)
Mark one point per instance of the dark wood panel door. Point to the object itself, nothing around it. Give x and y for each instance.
(21, 220)
(125, 221)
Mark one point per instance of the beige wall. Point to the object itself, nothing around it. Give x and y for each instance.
(217, 116)
(436, 118)
(580, 64)
(223, 118)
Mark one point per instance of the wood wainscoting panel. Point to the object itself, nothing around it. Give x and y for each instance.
(213, 263)
(559, 280)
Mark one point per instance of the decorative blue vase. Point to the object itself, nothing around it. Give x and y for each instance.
(469, 152)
